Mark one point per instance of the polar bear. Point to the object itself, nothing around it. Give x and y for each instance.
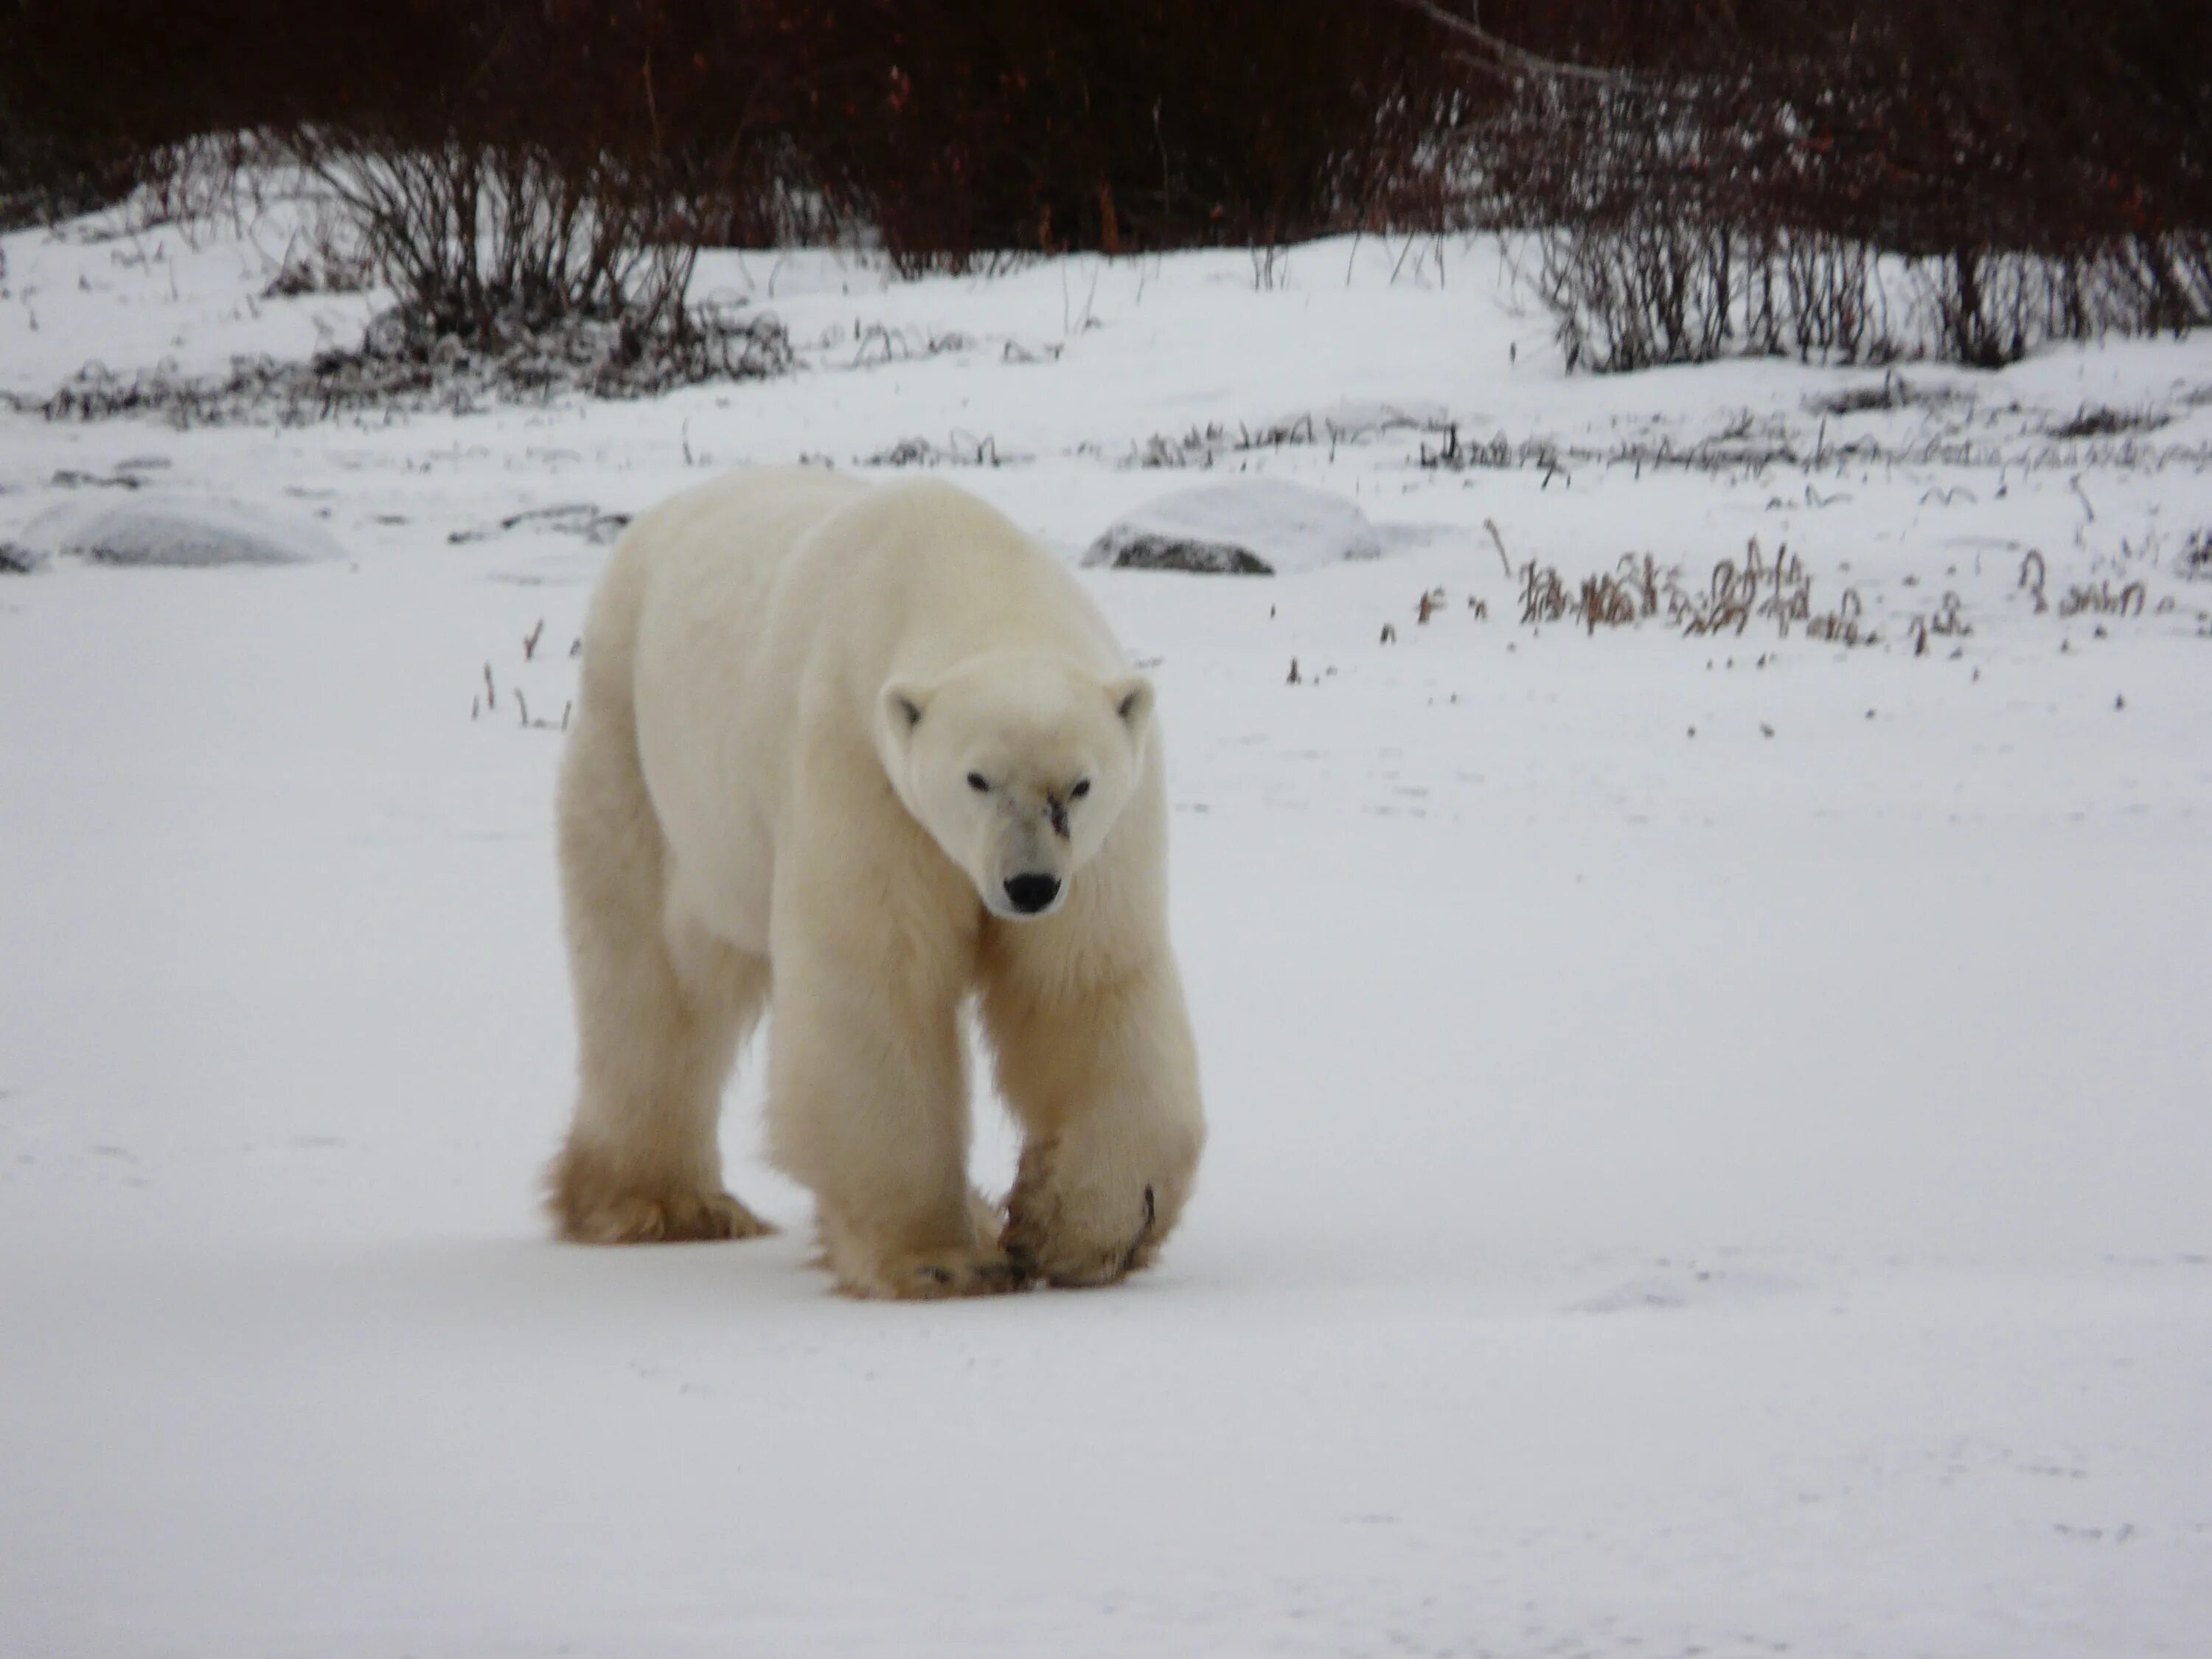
(849, 754)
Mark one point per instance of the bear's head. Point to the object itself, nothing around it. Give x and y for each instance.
(1017, 765)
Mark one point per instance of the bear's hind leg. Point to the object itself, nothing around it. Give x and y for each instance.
(660, 1012)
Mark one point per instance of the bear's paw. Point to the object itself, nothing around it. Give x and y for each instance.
(589, 1212)
(1066, 1227)
(873, 1269)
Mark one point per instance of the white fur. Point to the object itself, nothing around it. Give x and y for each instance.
(789, 678)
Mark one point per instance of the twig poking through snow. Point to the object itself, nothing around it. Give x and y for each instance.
(2074, 484)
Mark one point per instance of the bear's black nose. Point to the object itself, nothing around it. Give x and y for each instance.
(1030, 894)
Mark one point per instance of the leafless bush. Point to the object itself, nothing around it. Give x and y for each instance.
(772, 198)
(487, 242)
(517, 273)
(1652, 288)
(1848, 183)
(1830, 303)
(1658, 290)
(321, 257)
(1983, 304)
(1992, 306)
(2164, 281)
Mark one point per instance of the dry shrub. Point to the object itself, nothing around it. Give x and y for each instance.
(2105, 600)
(1830, 303)
(1736, 594)
(1648, 288)
(2195, 563)
(492, 244)
(1661, 287)
(1853, 181)
(952, 132)
(1729, 178)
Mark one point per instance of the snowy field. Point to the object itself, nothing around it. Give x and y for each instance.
(1712, 1135)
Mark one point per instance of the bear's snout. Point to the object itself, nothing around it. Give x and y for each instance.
(1030, 894)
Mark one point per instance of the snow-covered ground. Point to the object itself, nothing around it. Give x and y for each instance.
(1712, 1136)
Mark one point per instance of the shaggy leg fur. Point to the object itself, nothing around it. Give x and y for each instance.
(868, 1105)
(875, 1123)
(1104, 1080)
(660, 1011)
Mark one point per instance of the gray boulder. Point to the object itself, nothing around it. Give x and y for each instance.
(144, 528)
(1240, 527)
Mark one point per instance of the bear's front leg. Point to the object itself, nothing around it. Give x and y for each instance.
(1104, 1079)
(868, 1107)
(914, 1258)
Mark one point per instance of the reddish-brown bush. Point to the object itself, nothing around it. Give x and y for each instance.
(1737, 164)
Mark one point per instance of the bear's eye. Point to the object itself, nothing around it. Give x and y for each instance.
(979, 783)
(1082, 788)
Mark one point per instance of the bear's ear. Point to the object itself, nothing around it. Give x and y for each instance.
(902, 709)
(1131, 697)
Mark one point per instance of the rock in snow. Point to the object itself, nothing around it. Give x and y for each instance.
(147, 529)
(1245, 527)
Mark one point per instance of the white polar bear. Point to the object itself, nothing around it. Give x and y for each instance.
(857, 752)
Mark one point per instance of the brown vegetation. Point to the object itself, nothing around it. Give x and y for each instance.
(1704, 179)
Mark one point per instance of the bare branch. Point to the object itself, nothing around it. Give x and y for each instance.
(1507, 58)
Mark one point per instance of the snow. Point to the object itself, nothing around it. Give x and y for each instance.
(1734, 1192)
(1245, 526)
(170, 529)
